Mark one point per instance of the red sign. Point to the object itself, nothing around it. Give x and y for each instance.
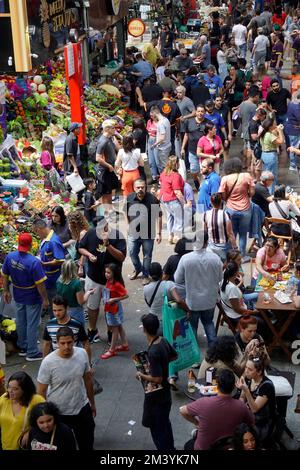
(136, 27)
(73, 61)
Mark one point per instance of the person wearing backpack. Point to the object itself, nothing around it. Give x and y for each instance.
(254, 143)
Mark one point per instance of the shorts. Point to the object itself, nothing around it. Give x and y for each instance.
(109, 181)
(247, 144)
(115, 319)
(194, 163)
(257, 163)
(93, 302)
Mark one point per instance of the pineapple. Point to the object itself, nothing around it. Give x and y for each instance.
(44, 14)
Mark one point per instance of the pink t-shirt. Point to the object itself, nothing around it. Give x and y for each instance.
(265, 86)
(270, 264)
(206, 146)
(151, 128)
(239, 199)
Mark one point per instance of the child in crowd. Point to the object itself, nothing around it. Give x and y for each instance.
(114, 293)
(47, 157)
(90, 203)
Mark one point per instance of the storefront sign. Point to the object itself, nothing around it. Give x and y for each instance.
(73, 58)
(136, 27)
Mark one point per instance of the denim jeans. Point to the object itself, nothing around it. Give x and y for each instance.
(162, 158)
(175, 213)
(28, 319)
(294, 141)
(206, 317)
(77, 313)
(242, 50)
(240, 224)
(134, 246)
(152, 156)
(223, 71)
(270, 161)
(250, 300)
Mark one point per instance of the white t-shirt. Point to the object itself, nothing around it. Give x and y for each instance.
(261, 42)
(240, 33)
(231, 292)
(221, 57)
(163, 129)
(65, 379)
(130, 160)
(160, 73)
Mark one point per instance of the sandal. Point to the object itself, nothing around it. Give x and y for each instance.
(122, 347)
(108, 354)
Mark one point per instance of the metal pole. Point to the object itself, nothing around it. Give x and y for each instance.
(85, 45)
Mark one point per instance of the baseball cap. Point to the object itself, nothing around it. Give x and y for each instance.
(108, 123)
(209, 103)
(74, 125)
(260, 30)
(24, 242)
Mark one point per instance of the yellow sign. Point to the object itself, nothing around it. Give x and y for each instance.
(136, 27)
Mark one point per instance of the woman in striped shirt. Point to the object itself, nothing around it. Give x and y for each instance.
(219, 228)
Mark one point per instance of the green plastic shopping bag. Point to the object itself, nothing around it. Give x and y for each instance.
(178, 331)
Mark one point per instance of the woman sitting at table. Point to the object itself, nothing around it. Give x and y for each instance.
(269, 259)
(259, 393)
(281, 208)
(248, 341)
(221, 354)
(232, 296)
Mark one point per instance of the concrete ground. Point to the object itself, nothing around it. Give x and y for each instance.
(122, 398)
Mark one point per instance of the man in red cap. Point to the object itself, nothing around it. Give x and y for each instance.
(27, 276)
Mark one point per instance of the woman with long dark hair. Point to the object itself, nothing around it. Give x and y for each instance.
(245, 438)
(127, 164)
(221, 354)
(259, 393)
(15, 406)
(46, 431)
(60, 226)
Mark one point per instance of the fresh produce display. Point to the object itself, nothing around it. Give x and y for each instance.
(38, 201)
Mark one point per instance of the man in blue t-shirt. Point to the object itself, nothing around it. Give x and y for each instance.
(28, 278)
(212, 81)
(52, 256)
(216, 118)
(209, 185)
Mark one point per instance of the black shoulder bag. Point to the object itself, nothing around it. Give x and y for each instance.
(153, 295)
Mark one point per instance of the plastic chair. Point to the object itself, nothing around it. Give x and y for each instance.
(223, 318)
(281, 238)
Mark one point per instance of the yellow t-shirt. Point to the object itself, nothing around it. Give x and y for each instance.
(151, 54)
(12, 426)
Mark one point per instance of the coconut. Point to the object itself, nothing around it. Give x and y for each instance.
(42, 88)
(38, 79)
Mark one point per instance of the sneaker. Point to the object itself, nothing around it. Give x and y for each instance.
(134, 275)
(292, 168)
(246, 259)
(93, 336)
(22, 352)
(122, 348)
(108, 354)
(37, 357)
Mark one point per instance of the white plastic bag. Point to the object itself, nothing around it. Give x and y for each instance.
(282, 386)
(76, 183)
(182, 169)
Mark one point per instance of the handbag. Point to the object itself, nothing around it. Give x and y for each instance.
(294, 224)
(257, 150)
(97, 388)
(182, 169)
(178, 331)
